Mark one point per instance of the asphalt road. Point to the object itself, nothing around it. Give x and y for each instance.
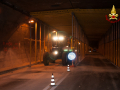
(93, 73)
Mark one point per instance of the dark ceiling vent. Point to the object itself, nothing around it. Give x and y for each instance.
(55, 5)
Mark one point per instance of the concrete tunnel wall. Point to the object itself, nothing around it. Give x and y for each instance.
(14, 48)
(109, 45)
(15, 44)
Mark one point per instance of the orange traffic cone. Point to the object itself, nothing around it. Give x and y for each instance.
(52, 80)
(68, 68)
(72, 65)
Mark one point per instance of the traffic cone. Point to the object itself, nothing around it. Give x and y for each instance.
(72, 64)
(52, 80)
(68, 68)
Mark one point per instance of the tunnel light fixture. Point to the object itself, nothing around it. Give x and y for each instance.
(54, 31)
(75, 50)
(31, 21)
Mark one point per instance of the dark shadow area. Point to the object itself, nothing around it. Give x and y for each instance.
(90, 61)
(10, 70)
(29, 72)
(87, 80)
(12, 84)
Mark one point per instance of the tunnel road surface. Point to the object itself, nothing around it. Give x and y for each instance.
(92, 73)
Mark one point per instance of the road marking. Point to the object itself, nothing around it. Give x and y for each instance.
(59, 82)
(113, 82)
(48, 86)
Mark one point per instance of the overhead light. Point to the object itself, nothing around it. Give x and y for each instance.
(54, 31)
(31, 21)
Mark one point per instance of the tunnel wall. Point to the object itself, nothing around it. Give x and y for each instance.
(79, 37)
(109, 45)
(84, 46)
(15, 42)
(14, 39)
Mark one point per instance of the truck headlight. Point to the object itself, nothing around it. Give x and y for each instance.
(55, 38)
(55, 52)
(61, 38)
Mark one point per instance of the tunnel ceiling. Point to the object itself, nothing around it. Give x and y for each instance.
(57, 13)
(92, 21)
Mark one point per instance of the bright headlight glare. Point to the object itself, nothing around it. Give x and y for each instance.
(55, 38)
(61, 38)
(55, 52)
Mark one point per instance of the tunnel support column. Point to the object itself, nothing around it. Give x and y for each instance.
(40, 42)
(30, 44)
(72, 35)
(117, 43)
(75, 37)
(44, 38)
(35, 42)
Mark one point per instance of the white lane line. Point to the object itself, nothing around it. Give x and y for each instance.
(48, 86)
(113, 82)
(59, 82)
